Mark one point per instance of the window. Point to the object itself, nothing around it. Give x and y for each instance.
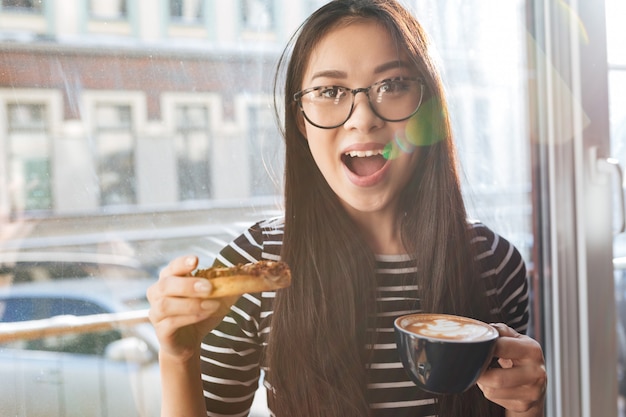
(265, 152)
(192, 143)
(617, 113)
(488, 99)
(107, 9)
(115, 154)
(23, 6)
(186, 11)
(139, 128)
(258, 15)
(616, 35)
(29, 157)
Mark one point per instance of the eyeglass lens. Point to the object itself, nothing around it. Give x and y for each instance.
(392, 100)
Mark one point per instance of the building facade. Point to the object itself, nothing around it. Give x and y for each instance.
(131, 116)
(132, 104)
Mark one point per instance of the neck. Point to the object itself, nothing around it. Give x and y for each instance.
(382, 232)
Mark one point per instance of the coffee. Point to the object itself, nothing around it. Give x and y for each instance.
(442, 353)
(450, 328)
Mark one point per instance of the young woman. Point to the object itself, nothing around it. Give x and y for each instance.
(374, 227)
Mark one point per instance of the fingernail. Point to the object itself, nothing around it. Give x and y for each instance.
(190, 261)
(202, 286)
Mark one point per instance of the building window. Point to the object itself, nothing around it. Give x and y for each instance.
(23, 6)
(258, 15)
(266, 153)
(29, 158)
(107, 9)
(193, 145)
(115, 154)
(186, 11)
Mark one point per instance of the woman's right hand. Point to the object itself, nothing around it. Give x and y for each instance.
(180, 311)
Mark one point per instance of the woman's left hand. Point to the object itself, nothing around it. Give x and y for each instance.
(520, 385)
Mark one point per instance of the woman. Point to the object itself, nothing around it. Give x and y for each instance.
(374, 227)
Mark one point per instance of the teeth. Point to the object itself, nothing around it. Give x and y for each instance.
(364, 154)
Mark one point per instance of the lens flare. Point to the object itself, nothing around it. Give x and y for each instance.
(571, 18)
(424, 128)
(397, 146)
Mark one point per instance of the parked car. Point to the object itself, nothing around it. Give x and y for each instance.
(104, 374)
(27, 266)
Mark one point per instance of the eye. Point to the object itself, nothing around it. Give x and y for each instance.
(331, 92)
(394, 86)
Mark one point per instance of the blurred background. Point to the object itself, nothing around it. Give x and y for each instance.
(134, 131)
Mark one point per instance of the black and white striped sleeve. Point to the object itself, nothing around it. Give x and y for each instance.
(504, 274)
(230, 354)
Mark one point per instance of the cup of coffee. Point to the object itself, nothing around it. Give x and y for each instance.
(444, 354)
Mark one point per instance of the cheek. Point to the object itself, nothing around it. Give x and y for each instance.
(407, 164)
(320, 146)
(317, 149)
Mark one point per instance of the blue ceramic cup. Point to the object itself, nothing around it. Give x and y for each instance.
(444, 354)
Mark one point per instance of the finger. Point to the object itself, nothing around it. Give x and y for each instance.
(180, 266)
(518, 388)
(176, 286)
(527, 394)
(516, 347)
(517, 399)
(519, 405)
(510, 378)
(178, 306)
(505, 330)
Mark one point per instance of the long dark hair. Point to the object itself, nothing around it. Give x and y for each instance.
(317, 354)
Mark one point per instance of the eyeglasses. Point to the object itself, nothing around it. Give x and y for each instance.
(393, 100)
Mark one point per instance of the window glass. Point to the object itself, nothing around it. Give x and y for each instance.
(617, 85)
(125, 169)
(258, 15)
(35, 308)
(161, 141)
(115, 154)
(616, 38)
(265, 152)
(186, 11)
(29, 6)
(314, 5)
(488, 107)
(89, 343)
(29, 157)
(616, 35)
(193, 150)
(107, 9)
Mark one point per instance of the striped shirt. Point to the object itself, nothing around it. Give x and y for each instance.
(231, 353)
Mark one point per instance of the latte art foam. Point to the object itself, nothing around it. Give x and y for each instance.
(444, 328)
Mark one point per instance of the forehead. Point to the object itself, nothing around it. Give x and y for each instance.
(355, 50)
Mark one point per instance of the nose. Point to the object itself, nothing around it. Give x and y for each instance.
(362, 117)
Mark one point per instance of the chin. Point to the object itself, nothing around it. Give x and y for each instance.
(364, 207)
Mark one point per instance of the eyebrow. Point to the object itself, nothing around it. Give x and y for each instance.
(379, 69)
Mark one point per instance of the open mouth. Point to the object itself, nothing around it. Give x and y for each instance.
(364, 163)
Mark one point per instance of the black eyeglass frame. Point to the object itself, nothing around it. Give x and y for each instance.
(298, 98)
